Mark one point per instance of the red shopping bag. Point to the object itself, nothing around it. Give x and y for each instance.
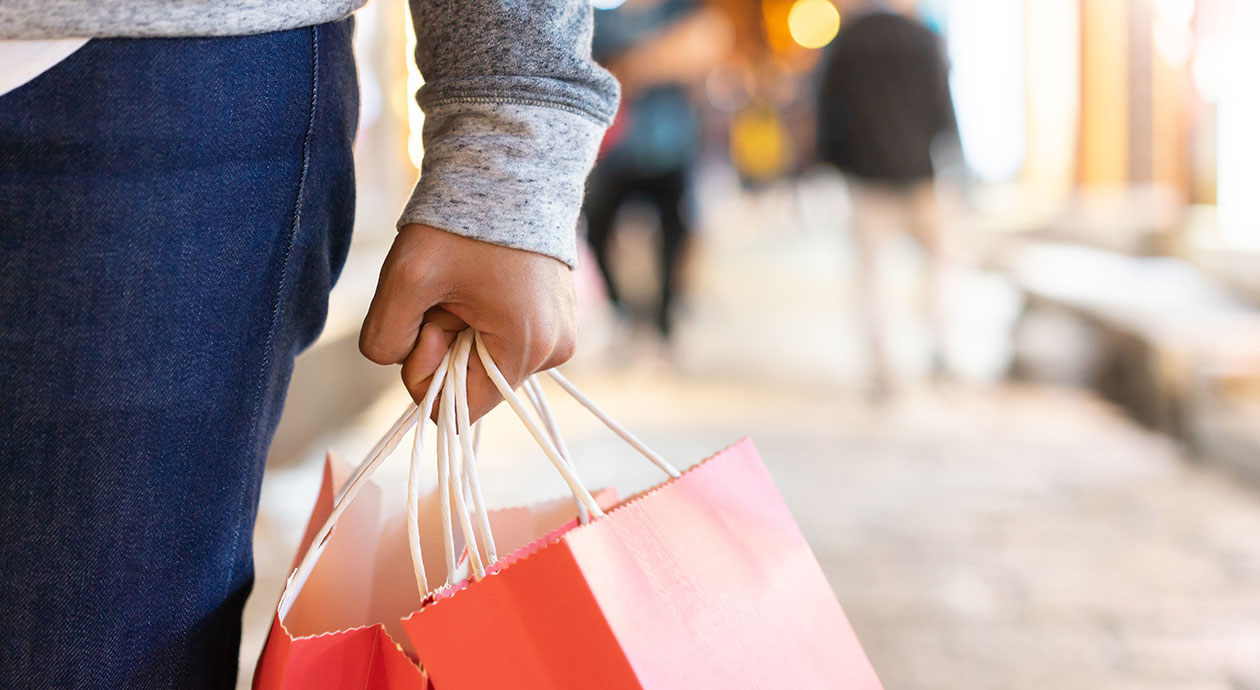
(332, 633)
(704, 582)
(341, 628)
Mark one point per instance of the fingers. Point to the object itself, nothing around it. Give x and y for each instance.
(408, 288)
(517, 358)
(562, 352)
(435, 284)
(419, 366)
(483, 395)
(436, 335)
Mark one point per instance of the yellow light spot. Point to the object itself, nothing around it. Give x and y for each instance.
(813, 23)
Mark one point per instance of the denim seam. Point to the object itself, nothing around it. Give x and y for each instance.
(261, 382)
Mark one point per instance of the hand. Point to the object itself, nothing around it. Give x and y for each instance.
(435, 284)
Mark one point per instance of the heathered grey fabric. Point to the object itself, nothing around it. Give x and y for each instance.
(510, 174)
(514, 106)
(514, 111)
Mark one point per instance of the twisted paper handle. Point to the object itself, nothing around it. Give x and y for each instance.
(458, 480)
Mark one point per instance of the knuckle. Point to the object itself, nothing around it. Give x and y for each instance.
(413, 273)
(564, 351)
(408, 374)
(410, 382)
(370, 347)
(367, 348)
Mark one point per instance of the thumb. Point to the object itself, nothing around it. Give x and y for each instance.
(436, 335)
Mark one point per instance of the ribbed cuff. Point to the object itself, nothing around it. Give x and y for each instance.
(512, 174)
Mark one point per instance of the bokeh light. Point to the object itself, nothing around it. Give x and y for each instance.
(813, 23)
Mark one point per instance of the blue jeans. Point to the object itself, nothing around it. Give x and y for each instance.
(173, 213)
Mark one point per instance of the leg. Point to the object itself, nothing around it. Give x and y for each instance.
(926, 226)
(605, 194)
(667, 194)
(873, 218)
(172, 215)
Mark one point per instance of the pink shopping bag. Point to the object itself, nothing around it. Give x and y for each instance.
(342, 630)
(702, 582)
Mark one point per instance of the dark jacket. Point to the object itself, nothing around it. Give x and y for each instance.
(883, 99)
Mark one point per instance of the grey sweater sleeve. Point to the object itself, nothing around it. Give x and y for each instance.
(514, 112)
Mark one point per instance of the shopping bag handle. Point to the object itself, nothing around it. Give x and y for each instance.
(452, 373)
(549, 440)
(358, 479)
(459, 428)
(457, 473)
(538, 400)
(509, 395)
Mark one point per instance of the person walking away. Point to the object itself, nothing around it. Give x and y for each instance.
(883, 102)
(656, 48)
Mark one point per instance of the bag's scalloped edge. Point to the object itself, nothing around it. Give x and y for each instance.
(506, 560)
(538, 545)
(435, 597)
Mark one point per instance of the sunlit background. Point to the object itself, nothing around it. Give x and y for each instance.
(1067, 499)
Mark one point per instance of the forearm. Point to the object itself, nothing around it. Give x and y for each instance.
(514, 112)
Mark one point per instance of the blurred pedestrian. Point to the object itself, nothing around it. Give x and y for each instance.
(176, 201)
(658, 49)
(883, 102)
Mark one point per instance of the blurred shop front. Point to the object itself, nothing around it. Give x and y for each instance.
(1108, 164)
(1110, 154)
